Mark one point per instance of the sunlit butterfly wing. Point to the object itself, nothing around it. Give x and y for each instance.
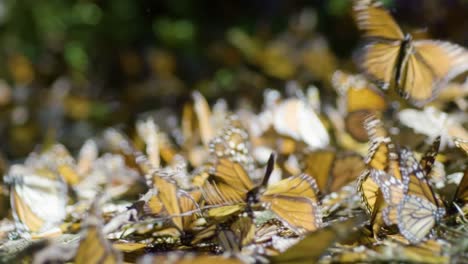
(302, 185)
(462, 144)
(203, 112)
(167, 194)
(294, 200)
(346, 169)
(318, 165)
(95, 249)
(461, 194)
(364, 98)
(315, 244)
(299, 213)
(234, 176)
(414, 177)
(87, 155)
(416, 218)
(372, 199)
(428, 159)
(354, 124)
(431, 65)
(368, 190)
(381, 150)
(38, 198)
(376, 21)
(379, 60)
(188, 203)
(148, 131)
(420, 210)
(244, 229)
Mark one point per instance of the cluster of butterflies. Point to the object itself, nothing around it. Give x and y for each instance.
(302, 181)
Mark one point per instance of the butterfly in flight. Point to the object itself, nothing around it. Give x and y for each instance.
(416, 69)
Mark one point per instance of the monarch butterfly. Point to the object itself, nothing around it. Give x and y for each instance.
(296, 119)
(373, 200)
(86, 157)
(332, 171)
(384, 170)
(309, 250)
(119, 143)
(415, 68)
(294, 199)
(360, 99)
(428, 158)
(461, 194)
(462, 144)
(175, 202)
(421, 209)
(232, 143)
(381, 148)
(94, 248)
(38, 198)
(238, 234)
(148, 131)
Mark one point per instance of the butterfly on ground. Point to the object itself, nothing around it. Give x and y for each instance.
(421, 209)
(416, 69)
(315, 244)
(293, 199)
(462, 144)
(94, 248)
(380, 185)
(333, 170)
(38, 198)
(180, 206)
(358, 98)
(461, 194)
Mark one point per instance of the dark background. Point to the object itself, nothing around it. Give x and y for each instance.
(110, 61)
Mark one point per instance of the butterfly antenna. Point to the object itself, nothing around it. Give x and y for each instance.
(269, 169)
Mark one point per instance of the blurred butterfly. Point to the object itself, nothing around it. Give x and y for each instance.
(462, 144)
(295, 119)
(315, 244)
(38, 198)
(453, 92)
(421, 209)
(359, 98)
(293, 200)
(181, 206)
(461, 194)
(148, 131)
(86, 157)
(433, 123)
(188, 258)
(333, 171)
(236, 235)
(415, 68)
(94, 248)
(120, 144)
(232, 143)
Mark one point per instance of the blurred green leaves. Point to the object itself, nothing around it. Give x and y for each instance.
(75, 56)
(174, 32)
(86, 13)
